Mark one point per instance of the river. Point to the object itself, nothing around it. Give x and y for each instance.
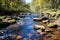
(25, 27)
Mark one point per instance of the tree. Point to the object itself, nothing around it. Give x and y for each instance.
(35, 5)
(12, 5)
(44, 5)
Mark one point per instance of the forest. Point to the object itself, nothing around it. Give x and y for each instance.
(13, 5)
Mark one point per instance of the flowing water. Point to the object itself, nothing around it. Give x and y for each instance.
(25, 28)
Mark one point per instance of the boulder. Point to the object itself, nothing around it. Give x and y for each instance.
(39, 27)
(37, 19)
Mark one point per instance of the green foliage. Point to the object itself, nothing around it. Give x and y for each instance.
(35, 5)
(12, 5)
(37, 8)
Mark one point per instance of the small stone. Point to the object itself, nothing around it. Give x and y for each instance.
(18, 37)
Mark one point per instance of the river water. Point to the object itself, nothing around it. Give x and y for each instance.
(25, 27)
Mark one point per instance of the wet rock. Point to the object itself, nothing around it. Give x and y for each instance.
(18, 37)
(37, 19)
(54, 26)
(22, 16)
(11, 21)
(49, 31)
(45, 21)
(50, 25)
(44, 18)
(40, 32)
(5, 17)
(39, 27)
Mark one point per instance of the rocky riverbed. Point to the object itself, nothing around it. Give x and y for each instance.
(29, 29)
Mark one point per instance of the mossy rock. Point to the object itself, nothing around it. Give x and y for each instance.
(55, 26)
(52, 25)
